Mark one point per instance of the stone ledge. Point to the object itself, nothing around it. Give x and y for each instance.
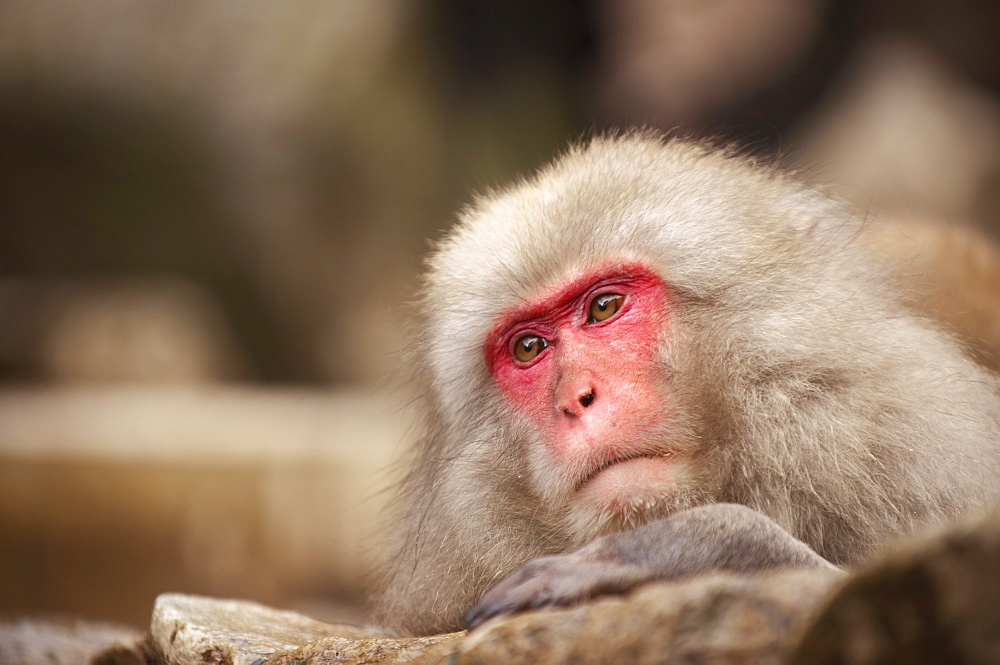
(716, 618)
(929, 601)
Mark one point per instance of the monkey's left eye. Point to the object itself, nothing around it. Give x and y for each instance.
(604, 306)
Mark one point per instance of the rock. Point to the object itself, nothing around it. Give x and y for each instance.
(933, 601)
(68, 642)
(720, 618)
(677, 62)
(232, 490)
(193, 630)
(189, 630)
(151, 329)
(878, 141)
(429, 650)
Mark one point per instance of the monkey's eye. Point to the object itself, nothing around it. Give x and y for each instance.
(604, 306)
(527, 347)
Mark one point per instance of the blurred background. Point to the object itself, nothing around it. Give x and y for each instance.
(212, 214)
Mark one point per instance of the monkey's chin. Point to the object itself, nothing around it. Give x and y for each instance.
(631, 486)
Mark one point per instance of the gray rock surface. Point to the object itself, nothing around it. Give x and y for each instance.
(933, 600)
(431, 650)
(720, 618)
(193, 630)
(936, 600)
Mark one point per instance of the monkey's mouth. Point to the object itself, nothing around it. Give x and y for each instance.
(598, 470)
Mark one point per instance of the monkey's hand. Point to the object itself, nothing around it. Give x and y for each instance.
(713, 537)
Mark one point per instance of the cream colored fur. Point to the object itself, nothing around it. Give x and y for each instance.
(811, 392)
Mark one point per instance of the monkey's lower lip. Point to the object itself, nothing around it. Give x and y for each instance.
(596, 472)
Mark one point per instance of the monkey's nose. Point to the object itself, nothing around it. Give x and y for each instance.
(576, 395)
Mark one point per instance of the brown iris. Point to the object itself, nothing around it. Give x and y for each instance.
(527, 347)
(604, 306)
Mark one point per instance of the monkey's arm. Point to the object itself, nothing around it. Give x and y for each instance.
(713, 537)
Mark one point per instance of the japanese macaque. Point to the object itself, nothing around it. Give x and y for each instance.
(653, 360)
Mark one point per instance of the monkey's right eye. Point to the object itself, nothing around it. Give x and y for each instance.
(527, 347)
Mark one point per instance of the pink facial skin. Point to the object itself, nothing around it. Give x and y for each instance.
(592, 392)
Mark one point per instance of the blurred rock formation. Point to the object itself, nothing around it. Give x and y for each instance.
(907, 135)
(153, 329)
(284, 157)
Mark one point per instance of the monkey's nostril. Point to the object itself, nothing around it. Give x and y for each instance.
(586, 399)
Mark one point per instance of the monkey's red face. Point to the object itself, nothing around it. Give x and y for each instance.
(581, 363)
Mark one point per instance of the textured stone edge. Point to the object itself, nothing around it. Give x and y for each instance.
(188, 630)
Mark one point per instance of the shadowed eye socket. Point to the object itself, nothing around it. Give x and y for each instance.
(604, 306)
(527, 347)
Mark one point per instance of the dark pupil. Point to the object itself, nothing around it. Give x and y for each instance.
(530, 344)
(603, 302)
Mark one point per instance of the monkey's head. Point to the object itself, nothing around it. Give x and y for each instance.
(622, 309)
